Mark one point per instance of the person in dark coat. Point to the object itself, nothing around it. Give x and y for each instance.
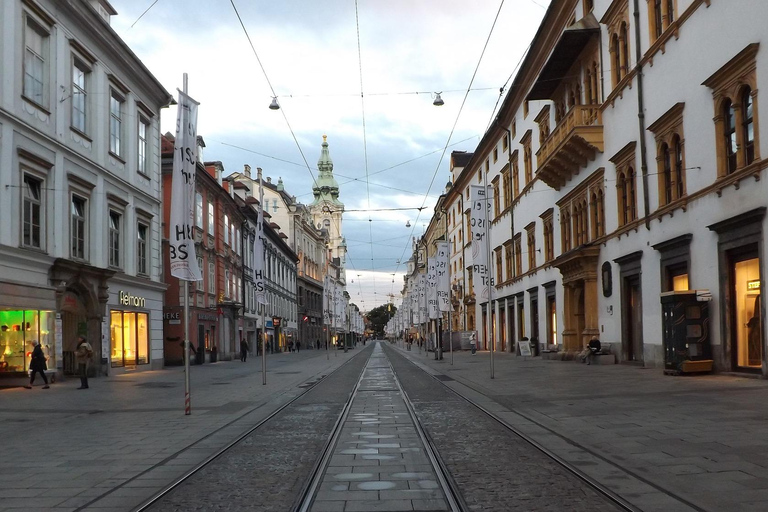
(593, 348)
(37, 365)
(243, 350)
(297, 345)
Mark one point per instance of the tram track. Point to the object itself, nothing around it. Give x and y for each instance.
(447, 484)
(153, 502)
(614, 498)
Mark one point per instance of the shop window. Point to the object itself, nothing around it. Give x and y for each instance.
(747, 324)
(129, 338)
(18, 329)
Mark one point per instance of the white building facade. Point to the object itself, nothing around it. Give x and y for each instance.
(80, 164)
(626, 160)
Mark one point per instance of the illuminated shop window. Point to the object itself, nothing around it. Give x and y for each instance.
(130, 339)
(18, 329)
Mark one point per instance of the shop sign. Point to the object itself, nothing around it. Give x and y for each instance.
(207, 316)
(128, 299)
(172, 318)
(753, 285)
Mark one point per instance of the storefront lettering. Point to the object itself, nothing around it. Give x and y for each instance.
(128, 299)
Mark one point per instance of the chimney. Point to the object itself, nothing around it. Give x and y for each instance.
(247, 171)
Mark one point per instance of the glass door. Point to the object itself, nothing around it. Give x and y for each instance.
(747, 346)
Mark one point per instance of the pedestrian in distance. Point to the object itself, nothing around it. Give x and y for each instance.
(83, 354)
(37, 365)
(473, 343)
(318, 344)
(297, 345)
(290, 346)
(243, 350)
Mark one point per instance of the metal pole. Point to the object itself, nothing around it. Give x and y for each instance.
(260, 232)
(489, 335)
(450, 337)
(187, 397)
(263, 347)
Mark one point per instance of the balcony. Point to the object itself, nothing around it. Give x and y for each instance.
(571, 146)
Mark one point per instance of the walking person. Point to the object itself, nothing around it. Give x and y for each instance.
(243, 350)
(298, 346)
(37, 365)
(473, 343)
(83, 354)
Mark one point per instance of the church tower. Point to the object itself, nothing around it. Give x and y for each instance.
(326, 209)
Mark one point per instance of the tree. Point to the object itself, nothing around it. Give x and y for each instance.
(379, 316)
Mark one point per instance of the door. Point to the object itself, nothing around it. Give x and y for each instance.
(633, 320)
(746, 321)
(535, 323)
(551, 321)
(503, 328)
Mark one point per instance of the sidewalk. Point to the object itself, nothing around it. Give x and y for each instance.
(703, 437)
(66, 447)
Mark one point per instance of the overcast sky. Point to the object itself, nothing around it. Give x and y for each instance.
(409, 49)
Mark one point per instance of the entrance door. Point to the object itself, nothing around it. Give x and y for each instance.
(551, 321)
(72, 326)
(746, 321)
(633, 317)
(503, 328)
(535, 322)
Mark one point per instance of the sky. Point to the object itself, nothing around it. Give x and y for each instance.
(363, 73)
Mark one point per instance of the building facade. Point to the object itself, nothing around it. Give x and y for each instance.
(80, 157)
(215, 313)
(626, 164)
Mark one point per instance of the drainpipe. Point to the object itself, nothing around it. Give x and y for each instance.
(641, 117)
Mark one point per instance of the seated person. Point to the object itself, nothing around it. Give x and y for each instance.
(593, 348)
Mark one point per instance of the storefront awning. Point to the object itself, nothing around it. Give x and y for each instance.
(565, 54)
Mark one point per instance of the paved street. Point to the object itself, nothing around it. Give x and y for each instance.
(636, 430)
(66, 448)
(639, 432)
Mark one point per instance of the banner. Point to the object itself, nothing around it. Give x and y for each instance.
(181, 240)
(481, 198)
(422, 299)
(443, 277)
(259, 284)
(432, 289)
(326, 301)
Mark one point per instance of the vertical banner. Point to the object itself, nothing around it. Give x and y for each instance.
(258, 251)
(326, 302)
(422, 299)
(443, 277)
(432, 309)
(481, 198)
(181, 240)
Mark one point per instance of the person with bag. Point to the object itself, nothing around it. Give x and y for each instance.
(83, 355)
(37, 365)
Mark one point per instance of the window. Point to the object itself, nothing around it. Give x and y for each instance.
(661, 15)
(35, 67)
(549, 236)
(33, 212)
(130, 339)
(508, 260)
(518, 255)
(199, 210)
(80, 75)
(78, 228)
(496, 198)
(114, 239)
(200, 285)
(565, 228)
(507, 188)
(274, 205)
(211, 277)
(597, 211)
(211, 219)
(505, 143)
(734, 88)
(515, 175)
(226, 283)
(747, 126)
(527, 157)
(116, 105)
(226, 229)
(499, 266)
(658, 23)
(531, 239)
(142, 156)
(495, 154)
(668, 130)
(142, 240)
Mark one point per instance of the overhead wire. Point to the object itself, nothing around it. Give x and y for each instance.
(453, 128)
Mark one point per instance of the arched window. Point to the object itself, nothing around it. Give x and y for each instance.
(588, 87)
(657, 18)
(729, 133)
(584, 221)
(616, 59)
(621, 189)
(595, 89)
(666, 172)
(600, 213)
(748, 125)
(677, 152)
(624, 49)
(670, 11)
(631, 195)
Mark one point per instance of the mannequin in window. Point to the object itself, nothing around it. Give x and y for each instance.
(754, 335)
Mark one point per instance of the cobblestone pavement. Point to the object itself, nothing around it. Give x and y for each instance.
(111, 447)
(643, 434)
(267, 470)
(494, 469)
(379, 462)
